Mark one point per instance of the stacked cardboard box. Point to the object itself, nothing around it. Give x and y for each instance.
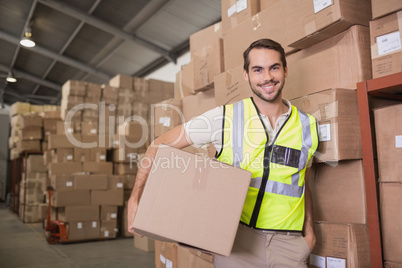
(386, 36)
(389, 143)
(169, 254)
(30, 127)
(32, 189)
(88, 204)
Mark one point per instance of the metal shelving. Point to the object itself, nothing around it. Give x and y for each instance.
(385, 87)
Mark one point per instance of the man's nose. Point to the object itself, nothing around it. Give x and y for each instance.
(267, 76)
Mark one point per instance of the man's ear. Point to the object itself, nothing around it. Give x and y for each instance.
(286, 72)
(245, 74)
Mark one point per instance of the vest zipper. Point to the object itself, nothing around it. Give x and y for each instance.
(265, 175)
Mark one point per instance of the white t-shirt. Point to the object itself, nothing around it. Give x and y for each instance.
(207, 128)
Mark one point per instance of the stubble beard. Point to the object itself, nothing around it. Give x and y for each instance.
(261, 96)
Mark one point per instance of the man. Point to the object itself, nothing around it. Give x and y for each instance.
(268, 136)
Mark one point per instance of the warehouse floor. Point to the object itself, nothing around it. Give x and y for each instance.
(24, 245)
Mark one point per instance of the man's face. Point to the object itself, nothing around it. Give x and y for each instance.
(266, 74)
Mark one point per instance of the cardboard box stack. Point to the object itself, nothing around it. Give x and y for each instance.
(386, 36)
(336, 31)
(30, 127)
(134, 128)
(388, 132)
(32, 189)
(327, 90)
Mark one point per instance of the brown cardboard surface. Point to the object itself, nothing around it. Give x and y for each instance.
(90, 182)
(166, 115)
(64, 168)
(262, 25)
(337, 113)
(190, 257)
(33, 145)
(208, 62)
(61, 183)
(108, 229)
(97, 154)
(62, 141)
(18, 108)
(62, 155)
(389, 264)
(50, 125)
(81, 154)
(78, 213)
(340, 245)
(116, 182)
(184, 85)
(31, 133)
(231, 86)
(311, 22)
(165, 254)
(195, 105)
(205, 36)
(89, 128)
(35, 164)
(98, 167)
(83, 230)
(178, 200)
(388, 130)
(74, 87)
(309, 73)
(108, 213)
(381, 8)
(31, 120)
(121, 81)
(338, 192)
(386, 54)
(144, 243)
(107, 197)
(234, 13)
(125, 168)
(391, 220)
(71, 198)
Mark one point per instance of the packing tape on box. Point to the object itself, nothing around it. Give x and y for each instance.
(310, 28)
(256, 22)
(201, 174)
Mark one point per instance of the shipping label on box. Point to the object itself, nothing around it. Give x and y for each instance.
(179, 199)
(386, 45)
(340, 245)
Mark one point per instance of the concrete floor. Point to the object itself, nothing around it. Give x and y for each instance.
(24, 245)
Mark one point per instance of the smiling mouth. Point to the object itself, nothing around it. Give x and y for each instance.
(268, 86)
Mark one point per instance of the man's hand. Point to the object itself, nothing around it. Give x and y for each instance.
(310, 240)
(131, 211)
(177, 138)
(308, 227)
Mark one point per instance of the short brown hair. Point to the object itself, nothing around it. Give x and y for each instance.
(263, 43)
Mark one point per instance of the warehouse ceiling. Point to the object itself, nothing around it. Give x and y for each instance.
(92, 40)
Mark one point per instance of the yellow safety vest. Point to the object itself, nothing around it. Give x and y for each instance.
(275, 198)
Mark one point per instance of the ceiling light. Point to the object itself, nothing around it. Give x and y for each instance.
(10, 78)
(27, 41)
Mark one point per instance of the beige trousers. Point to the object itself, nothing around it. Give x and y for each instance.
(256, 248)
